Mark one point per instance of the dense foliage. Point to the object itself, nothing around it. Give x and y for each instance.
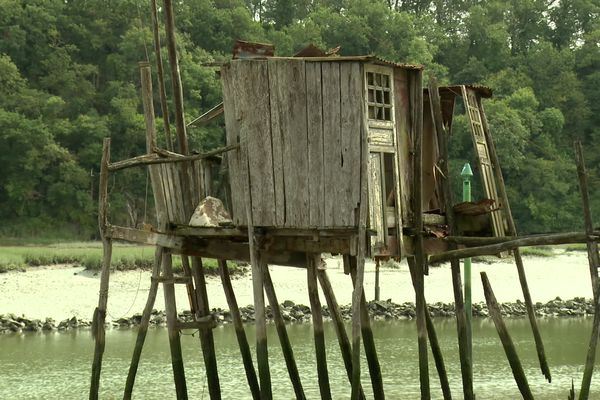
(69, 77)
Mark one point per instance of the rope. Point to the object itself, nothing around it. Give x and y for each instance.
(142, 27)
(146, 196)
(126, 313)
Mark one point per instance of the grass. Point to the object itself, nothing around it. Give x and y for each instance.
(88, 255)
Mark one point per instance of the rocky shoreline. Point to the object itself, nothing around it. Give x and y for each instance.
(299, 313)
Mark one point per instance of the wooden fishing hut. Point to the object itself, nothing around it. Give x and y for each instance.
(324, 154)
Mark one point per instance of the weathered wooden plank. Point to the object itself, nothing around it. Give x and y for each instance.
(288, 122)
(332, 138)
(252, 102)
(314, 111)
(376, 201)
(352, 99)
(232, 132)
(164, 189)
(143, 236)
(403, 142)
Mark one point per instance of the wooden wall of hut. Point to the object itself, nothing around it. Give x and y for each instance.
(300, 123)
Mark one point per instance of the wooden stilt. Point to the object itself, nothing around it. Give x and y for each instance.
(377, 279)
(206, 335)
(512, 230)
(421, 327)
(239, 330)
(509, 347)
(592, 245)
(438, 357)
(466, 366)
(338, 323)
(418, 262)
(361, 250)
(313, 261)
(286, 346)
(368, 340)
(174, 338)
(594, 263)
(100, 312)
(143, 327)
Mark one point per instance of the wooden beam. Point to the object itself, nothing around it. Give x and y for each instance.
(165, 158)
(538, 240)
(144, 237)
(208, 116)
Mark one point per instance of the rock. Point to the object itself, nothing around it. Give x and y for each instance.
(288, 304)
(210, 212)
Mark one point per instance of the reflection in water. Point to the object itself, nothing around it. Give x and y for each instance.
(57, 365)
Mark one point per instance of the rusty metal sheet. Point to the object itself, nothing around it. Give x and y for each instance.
(245, 50)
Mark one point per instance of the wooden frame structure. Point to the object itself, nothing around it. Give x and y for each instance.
(324, 155)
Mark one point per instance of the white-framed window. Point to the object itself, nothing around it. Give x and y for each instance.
(380, 98)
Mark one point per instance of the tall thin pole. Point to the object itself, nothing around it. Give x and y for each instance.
(176, 78)
(442, 136)
(161, 78)
(467, 173)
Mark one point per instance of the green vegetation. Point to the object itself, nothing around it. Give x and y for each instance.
(88, 255)
(68, 78)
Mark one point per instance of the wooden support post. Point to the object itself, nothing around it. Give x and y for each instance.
(338, 323)
(512, 230)
(313, 261)
(592, 245)
(377, 279)
(358, 292)
(418, 263)
(159, 204)
(284, 340)
(438, 358)
(466, 366)
(143, 327)
(368, 339)
(100, 312)
(175, 78)
(174, 339)
(594, 263)
(509, 347)
(239, 330)
(206, 335)
(161, 77)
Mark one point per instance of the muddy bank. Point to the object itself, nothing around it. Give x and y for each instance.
(300, 313)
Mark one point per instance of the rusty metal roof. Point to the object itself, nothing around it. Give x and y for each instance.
(370, 59)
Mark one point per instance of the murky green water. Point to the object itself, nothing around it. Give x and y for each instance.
(57, 365)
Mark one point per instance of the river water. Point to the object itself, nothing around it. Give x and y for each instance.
(57, 365)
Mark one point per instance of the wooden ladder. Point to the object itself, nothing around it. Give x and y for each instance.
(474, 114)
